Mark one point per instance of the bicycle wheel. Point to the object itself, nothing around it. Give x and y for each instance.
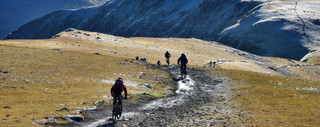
(118, 115)
(114, 113)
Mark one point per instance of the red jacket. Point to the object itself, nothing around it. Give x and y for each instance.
(117, 89)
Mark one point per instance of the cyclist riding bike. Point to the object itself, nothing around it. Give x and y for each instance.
(167, 55)
(183, 60)
(116, 92)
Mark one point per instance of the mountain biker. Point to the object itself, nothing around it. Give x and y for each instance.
(116, 92)
(167, 55)
(183, 60)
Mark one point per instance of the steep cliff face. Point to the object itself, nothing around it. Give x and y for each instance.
(283, 29)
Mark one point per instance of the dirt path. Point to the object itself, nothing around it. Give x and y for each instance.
(200, 100)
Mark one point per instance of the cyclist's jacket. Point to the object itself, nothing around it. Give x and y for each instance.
(117, 89)
(167, 55)
(183, 60)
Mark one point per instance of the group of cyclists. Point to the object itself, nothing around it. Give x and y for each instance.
(119, 87)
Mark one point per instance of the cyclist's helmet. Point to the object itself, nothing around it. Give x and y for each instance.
(119, 80)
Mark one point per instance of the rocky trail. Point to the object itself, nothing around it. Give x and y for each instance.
(200, 100)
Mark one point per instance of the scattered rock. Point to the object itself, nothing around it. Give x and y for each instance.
(132, 61)
(92, 109)
(4, 72)
(63, 109)
(69, 30)
(223, 60)
(52, 119)
(100, 102)
(124, 63)
(113, 52)
(83, 103)
(76, 118)
(86, 34)
(56, 36)
(8, 115)
(161, 82)
(98, 38)
(146, 85)
(7, 107)
(141, 74)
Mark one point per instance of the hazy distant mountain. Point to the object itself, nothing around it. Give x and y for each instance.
(272, 28)
(15, 13)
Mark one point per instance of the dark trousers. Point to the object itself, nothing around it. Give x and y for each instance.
(117, 98)
(183, 68)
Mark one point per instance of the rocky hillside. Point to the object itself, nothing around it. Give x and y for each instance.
(272, 28)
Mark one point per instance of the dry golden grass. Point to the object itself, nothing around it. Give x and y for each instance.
(315, 60)
(269, 100)
(47, 73)
(199, 52)
(42, 81)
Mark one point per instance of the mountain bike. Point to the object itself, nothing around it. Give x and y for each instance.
(116, 112)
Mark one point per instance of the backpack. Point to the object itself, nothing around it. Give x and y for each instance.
(167, 55)
(183, 59)
(118, 87)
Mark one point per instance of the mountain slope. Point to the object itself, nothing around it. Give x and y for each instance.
(263, 28)
(76, 69)
(14, 13)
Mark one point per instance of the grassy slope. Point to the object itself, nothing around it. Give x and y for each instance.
(263, 93)
(269, 100)
(315, 60)
(42, 79)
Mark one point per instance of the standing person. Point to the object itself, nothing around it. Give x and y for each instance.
(158, 63)
(183, 60)
(167, 55)
(116, 92)
(210, 64)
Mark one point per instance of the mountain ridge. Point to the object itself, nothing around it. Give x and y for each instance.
(253, 26)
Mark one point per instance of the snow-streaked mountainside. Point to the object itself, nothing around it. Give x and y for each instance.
(14, 13)
(272, 28)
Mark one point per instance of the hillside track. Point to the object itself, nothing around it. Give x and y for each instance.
(206, 102)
